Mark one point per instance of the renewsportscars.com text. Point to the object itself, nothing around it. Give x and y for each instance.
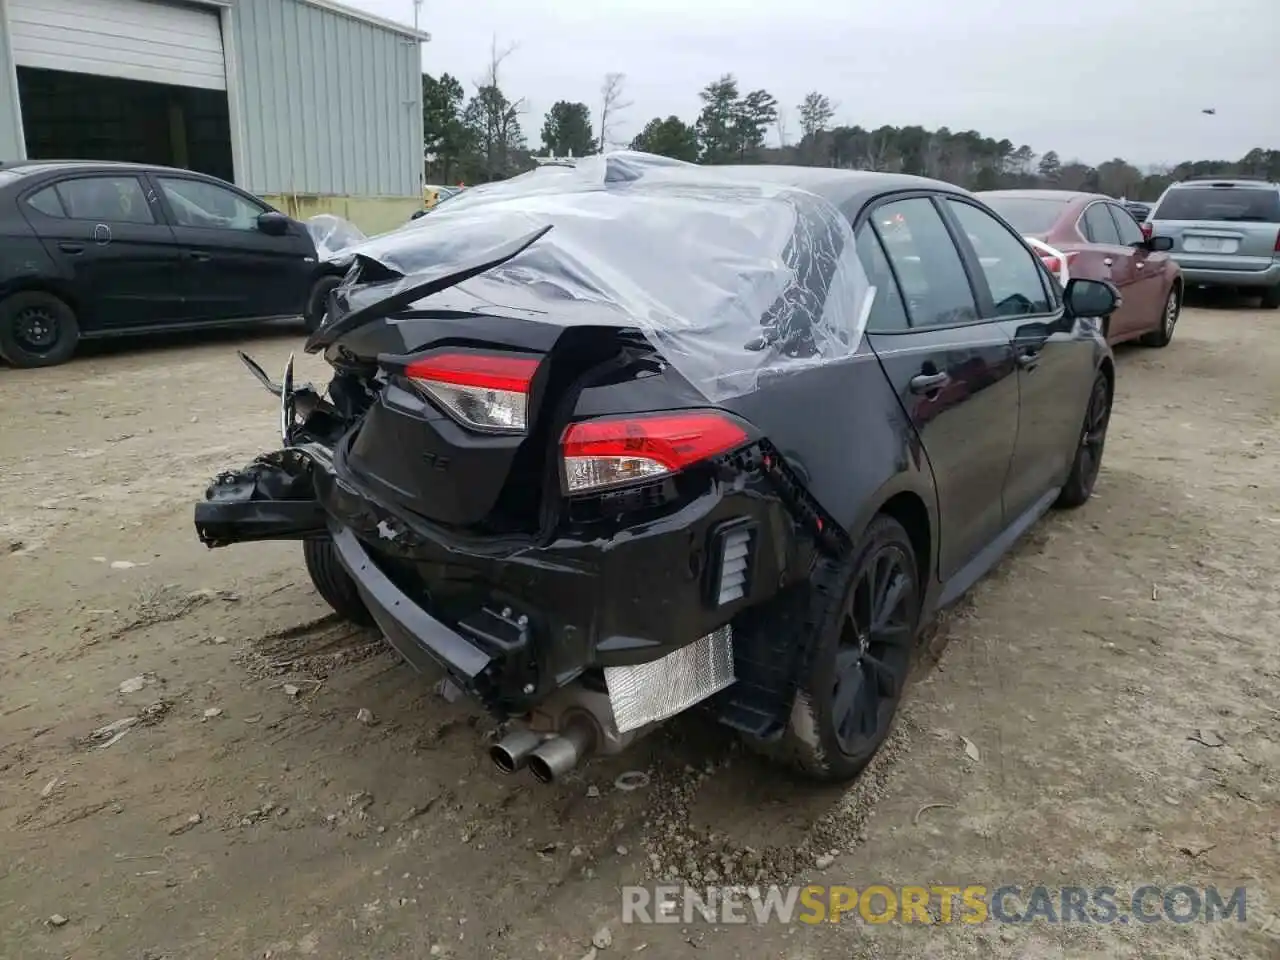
(974, 903)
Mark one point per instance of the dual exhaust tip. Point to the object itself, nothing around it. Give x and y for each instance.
(548, 758)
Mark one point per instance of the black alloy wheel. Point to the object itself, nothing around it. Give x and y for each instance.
(864, 611)
(873, 656)
(1093, 438)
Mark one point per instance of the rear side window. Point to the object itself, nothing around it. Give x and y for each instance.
(927, 263)
(1098, 226)
(105, 199)
(47, 202)
(888, 313)
(1240, 204)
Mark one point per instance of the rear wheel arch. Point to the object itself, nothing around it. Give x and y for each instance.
(42, 285)
(909, 509)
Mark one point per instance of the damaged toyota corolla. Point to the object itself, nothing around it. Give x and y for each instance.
(606, 445)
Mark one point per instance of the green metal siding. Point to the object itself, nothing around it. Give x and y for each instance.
(11, 145)
(328, 104)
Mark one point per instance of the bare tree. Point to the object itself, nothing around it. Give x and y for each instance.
(781, 125)
(493, 119)
(611, 104)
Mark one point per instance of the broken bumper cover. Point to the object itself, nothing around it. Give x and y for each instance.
(419, 637)
(511, 623)
(642, 610)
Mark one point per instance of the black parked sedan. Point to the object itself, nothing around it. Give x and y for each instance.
(92, 249)
(654, 435)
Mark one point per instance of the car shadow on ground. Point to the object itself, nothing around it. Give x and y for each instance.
(167, 342)
(1217, 298)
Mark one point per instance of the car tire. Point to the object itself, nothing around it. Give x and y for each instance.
(318, 301)
(856, 670)
(1169, 314)
(37, 329)
(1271, 298)
(332, 581)
(1088, 456)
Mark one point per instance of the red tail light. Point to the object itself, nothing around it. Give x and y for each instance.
(488, 392)
(1053, 264)
(1146, 230)
(1277, 246)
(613, 451)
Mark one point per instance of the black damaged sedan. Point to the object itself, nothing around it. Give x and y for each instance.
(646, 436)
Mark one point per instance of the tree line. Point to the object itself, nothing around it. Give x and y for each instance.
(480, 138)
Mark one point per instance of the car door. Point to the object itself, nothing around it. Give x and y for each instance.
(1146, 307)
(108, 238)
(233, 269)
(1099, 228)
(1055, 367)
(954, 372)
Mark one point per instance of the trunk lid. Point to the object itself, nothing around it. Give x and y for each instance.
(429, 446)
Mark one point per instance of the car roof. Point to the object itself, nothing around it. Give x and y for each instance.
(841, 187)
(57, 166)
(1066, 196)
(1208, 180)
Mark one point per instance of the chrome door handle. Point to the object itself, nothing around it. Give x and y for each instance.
(929, 382)
(1107, 262)
(1140, 264)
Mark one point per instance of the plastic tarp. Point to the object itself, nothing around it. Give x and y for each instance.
(332, 234)
(730, 278)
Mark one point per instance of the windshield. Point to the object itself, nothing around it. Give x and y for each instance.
(1240, 204)
(1028, 214)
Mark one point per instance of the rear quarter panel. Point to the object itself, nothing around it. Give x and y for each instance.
(24, 262)
(842, 426)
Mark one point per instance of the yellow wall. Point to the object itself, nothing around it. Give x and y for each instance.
(371, 214)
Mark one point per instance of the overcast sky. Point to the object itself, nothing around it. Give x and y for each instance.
(1091, 79)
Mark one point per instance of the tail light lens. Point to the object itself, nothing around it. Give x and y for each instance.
(1146, 230)
(1277, 246)
(1053, 264)
(487, 392)
(609, 452)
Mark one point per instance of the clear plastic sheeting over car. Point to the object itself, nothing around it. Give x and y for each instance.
(731, 277)
(332, 234)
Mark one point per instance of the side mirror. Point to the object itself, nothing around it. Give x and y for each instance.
(1090, 298)
(417, 213)
(273, 224)
(1160, 244)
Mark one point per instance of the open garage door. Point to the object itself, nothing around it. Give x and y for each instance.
(148, 40)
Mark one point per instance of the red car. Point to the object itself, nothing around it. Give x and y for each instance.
(1102, 241)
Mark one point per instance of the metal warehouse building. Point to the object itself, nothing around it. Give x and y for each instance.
(307, 103)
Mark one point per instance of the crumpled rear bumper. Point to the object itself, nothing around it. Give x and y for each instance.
(511, 621)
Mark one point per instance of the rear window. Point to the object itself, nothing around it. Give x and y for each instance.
(1243, 204)
(1028, 214)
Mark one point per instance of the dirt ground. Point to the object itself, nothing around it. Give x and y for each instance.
(1118, 678)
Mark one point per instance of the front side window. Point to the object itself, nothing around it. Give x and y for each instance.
(926, 261)
(1130, 234)
(105, 199)
(1011, 270)
(196, 203)
(1098, 226)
